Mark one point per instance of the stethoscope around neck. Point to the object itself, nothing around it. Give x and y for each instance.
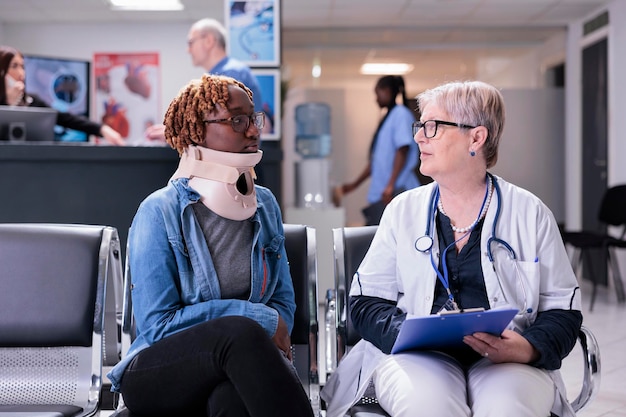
(424, 243)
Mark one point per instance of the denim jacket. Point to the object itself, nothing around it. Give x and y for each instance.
(174, 284)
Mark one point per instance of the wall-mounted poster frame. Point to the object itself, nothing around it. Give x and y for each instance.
(253, 31)
(269, 84)
(128, 93)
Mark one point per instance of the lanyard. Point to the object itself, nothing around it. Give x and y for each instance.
(444, 278)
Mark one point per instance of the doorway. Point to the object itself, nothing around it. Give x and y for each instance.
(594, 142)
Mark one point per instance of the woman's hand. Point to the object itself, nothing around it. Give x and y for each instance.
(281, 338)
(509, 347)
(112, 135)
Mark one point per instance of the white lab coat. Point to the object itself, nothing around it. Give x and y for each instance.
(539, 279)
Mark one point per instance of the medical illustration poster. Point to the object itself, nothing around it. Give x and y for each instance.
(127, 96)
(254, 32)
(269, 83)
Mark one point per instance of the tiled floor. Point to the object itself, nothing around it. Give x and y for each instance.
(608, 323)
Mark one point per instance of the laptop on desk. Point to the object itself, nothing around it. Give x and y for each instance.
(27, 124)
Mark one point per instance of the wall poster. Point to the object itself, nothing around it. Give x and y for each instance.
(254, 31)
(127, 95)
(269, 83)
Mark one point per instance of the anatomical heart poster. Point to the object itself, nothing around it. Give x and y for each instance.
(128, 93)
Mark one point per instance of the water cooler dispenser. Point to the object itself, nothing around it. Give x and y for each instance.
(313, 206)
(313, 144)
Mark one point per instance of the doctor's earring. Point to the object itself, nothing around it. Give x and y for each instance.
(472, 153)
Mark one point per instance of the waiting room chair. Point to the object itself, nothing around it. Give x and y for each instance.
(53, 292)
(350, 246)
(300, 245)
(612, 212)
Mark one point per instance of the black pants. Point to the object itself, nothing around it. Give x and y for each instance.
(374, 211)
(223, 367)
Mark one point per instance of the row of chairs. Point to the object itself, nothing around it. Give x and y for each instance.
(587, 244)
(60, 294)
(67, 312)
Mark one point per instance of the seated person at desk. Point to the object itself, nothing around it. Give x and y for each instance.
(12, 93)
(212, 293)
(468, 240)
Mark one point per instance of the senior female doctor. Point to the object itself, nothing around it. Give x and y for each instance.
(468, 240)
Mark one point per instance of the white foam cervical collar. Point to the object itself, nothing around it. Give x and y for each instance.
(215, 176)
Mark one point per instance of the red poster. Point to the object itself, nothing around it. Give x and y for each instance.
(128, 93)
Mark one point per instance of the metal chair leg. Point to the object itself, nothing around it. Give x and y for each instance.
(617, 277)
(589, 262)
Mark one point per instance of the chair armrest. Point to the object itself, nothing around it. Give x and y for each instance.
(314, 379)
(128, 318)
(591, 377)
(330, 314)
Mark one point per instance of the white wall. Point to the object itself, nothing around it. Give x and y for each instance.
(617, 93)
(531, 150)
(519, 73)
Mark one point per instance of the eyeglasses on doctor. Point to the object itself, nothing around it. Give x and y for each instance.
(241, 123)
(430, 127)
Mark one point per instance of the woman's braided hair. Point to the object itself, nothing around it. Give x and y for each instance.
(185, 116)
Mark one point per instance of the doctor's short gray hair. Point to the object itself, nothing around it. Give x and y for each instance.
(474, 103)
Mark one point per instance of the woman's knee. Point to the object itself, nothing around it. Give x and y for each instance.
(239, 329)
(430, 383)
(240, 324)
(496, 389)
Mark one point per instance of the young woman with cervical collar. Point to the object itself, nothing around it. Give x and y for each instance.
(212, 294)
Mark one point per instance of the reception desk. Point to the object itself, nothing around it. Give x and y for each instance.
(68, 183)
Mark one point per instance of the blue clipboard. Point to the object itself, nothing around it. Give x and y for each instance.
(447, 330)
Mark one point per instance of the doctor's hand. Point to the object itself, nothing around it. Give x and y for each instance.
(509, 347)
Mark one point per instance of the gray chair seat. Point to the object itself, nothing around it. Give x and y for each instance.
(53, 284)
